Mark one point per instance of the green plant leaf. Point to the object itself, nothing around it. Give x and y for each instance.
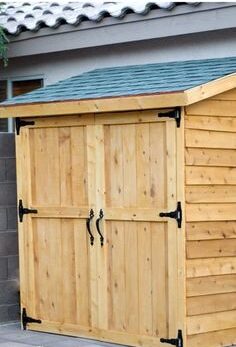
(3, 45)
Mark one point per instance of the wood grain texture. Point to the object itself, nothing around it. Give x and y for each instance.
(210, 267)
(220, 124)
(210, 181)
(229, 95)
(211, 230)
(210, 89)
(211, 285)
(138, 286)
(210, 194)
(213, 339)
(211, 303)
(213, 108)
(201, 175)
(211, 322)
(210, 212)
(210, 139)
(211, 248)
(116, 104)
(210, 157)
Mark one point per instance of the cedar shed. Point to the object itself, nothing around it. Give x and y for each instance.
(127, 204)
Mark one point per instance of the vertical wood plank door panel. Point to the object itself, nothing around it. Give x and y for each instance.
(139, 256)
(57, 270)
(124, 289)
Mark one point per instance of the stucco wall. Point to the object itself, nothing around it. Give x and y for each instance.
(58, 66)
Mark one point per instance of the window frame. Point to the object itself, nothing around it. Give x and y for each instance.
(10, 81)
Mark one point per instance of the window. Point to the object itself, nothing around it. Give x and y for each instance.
(22, 87)
(11, 88)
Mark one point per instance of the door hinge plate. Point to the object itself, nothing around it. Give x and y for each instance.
(178, 342)
(22, 123)
(174, 114)
(22, 210)
(177, 214)
(26, 319)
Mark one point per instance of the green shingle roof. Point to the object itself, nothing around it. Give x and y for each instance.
(132, 80)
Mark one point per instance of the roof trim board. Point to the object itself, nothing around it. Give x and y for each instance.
(111, 104)
(126, 103)
(212, 88)
(185, 20)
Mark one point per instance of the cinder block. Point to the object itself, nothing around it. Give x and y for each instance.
(10, 169)
(9, 292)
(9, 313)
(4, 317)
(7, 194)
(3, 219)
(14, 312)
(8, 243)
(2, 170)
(12, 218)
(13, 267)
(3, 268)
(7, 145)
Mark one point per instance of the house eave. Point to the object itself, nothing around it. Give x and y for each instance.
(182, 20)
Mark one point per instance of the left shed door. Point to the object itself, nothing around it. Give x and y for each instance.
(56, 258)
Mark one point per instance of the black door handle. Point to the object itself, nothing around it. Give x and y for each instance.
(101, 215)
(91, 215)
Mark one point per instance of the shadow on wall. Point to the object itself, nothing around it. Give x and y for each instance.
(9, 283)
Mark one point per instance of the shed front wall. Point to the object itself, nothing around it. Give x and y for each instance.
(124, 290)
(210, 177)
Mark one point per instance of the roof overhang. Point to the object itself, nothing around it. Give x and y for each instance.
(121, 103)
(158, 24)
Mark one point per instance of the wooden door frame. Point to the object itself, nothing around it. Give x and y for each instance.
(23, 174)
(181, 245)
(25, 236)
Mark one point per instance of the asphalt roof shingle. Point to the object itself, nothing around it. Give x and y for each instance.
(132, 80)
(18, 16)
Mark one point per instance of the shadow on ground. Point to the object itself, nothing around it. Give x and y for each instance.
(12, 336)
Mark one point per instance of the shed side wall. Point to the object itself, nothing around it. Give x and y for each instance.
(210, 190)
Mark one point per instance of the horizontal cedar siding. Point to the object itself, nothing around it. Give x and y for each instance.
(210, 171)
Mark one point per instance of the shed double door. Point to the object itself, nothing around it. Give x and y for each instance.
(123, 167)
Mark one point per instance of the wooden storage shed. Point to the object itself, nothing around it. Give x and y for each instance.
(127, 204)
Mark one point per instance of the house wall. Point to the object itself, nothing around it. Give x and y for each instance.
(9, 307)
(61, 65)
(210, 159)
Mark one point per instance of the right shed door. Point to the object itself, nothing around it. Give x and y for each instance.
(137, 264)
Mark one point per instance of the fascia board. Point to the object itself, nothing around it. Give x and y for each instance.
(181, 20)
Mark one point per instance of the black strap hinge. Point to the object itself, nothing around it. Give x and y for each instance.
(175, 114)
(22, 210)
(177, 214)
(178, 342)
(22, 123)
(25, 319)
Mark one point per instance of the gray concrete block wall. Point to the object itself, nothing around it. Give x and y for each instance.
(9, 283)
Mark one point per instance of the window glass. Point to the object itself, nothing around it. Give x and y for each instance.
(3, 96)
(22, 87)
